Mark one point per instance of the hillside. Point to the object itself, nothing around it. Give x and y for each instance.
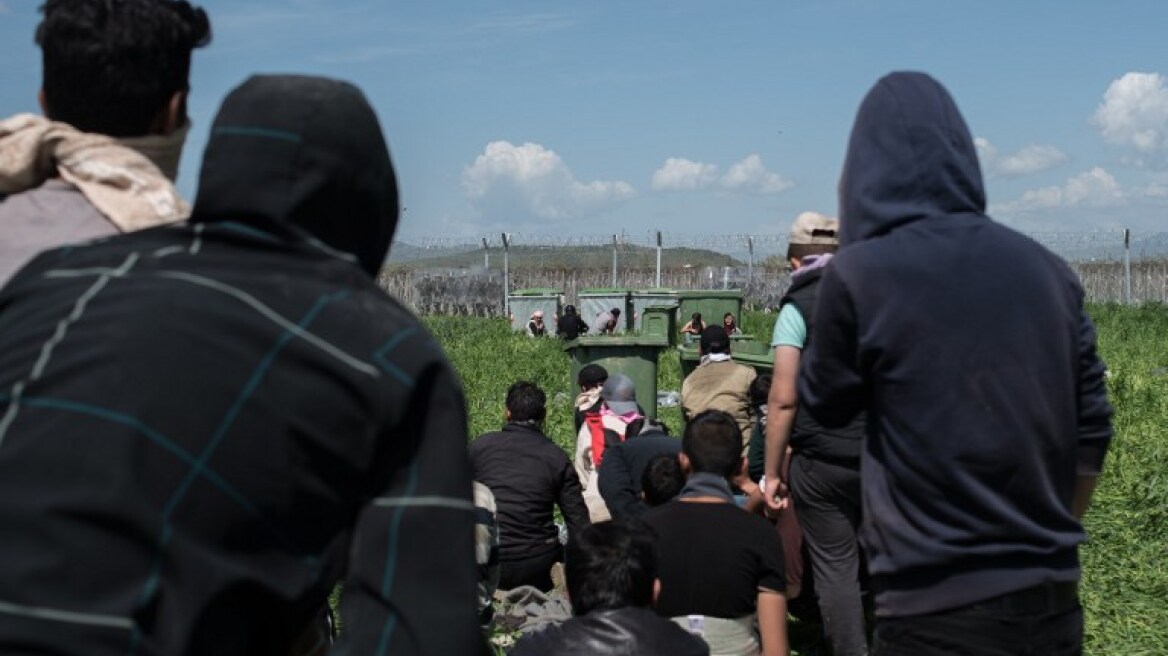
(558, 257)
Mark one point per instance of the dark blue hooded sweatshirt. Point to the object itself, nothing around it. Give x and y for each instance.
(968, 345)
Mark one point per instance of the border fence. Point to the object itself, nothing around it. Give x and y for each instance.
(473, 276)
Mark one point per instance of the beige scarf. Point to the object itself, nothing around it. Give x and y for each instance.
(119, 178)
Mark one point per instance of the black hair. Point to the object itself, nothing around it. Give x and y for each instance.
(611, 565)
(803, 250)
(662, 480)
(759, 390)
(713, 444)
(591, 375)
(110, 66)
(615, 312)
(526, 402)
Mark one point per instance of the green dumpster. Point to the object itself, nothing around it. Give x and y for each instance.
(524, 303)
(748, 352)
(633, 356)
(713, 304)
(660, 321)
(642, 299)
(602, 299)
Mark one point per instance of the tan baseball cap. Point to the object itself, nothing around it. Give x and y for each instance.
(814, 228)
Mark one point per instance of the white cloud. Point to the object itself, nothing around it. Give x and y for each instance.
(1134, 112)
(752, 176)
(679, 174)
(1033, 158)
(533, 182)
(1094, 188)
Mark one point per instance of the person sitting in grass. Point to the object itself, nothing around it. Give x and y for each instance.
(604, 428)
(529, 476)
(662, 480)
(624, 464)
(721, 567)
(612, 582)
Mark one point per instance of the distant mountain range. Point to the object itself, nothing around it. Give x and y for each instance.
(557, 257)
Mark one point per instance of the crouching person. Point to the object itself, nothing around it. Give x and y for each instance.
(612, 582)
(721, 567)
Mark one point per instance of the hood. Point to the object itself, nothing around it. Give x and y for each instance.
(910, 156)
(304, 154)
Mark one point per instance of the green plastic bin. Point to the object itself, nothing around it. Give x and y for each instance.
(524, 303)
(642, 299)
(602, 299)
(748, 352)
(633, 356)
(660, 321)
(712, 303)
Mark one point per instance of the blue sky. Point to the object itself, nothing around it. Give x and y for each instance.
(591, 118)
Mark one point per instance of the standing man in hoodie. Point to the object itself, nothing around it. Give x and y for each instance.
(204, 427)
(969, 347)
(114, 94)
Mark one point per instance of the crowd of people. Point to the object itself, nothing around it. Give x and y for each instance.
(210, 414)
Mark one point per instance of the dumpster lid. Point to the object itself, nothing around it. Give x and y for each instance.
(604, 291)
(710, 293)
(536, 291)
(618, 340)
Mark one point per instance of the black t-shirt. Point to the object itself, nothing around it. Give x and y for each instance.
(713, 559)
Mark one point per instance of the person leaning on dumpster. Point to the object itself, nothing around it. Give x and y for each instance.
(570, 326)
(970, 349)
(206, 426)
(605, 322)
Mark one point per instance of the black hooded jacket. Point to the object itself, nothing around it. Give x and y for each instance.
(205, 427)
(968, 345)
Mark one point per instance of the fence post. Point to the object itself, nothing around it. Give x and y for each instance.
(658, 259)
(486, 255)
(1127, 297)
(507, 276)
(750, 260)
(614, 260)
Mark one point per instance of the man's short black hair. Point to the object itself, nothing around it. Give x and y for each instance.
(611, 565)
(110, 66)
(713, 444)
(591, 375)
(662, 480)
(615, 312)
(526, 402)
(760, 389)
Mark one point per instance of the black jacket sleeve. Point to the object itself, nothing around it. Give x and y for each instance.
(1094, 409)
(617, 486)
(570, 498)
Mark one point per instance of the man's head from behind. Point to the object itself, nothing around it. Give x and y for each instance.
(712, 444)
(119, 67)
(611, 565)
(812, 234)
(591, 376)
(620, 394)
(714, 340)
(306, 153)
(662, 480)
(526, 403)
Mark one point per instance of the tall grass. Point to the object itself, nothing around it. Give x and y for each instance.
(1125, 562)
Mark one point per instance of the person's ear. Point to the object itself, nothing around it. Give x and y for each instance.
(172, 116)
(656, 590)
(796, 262)
(506, 414)
(683, 460)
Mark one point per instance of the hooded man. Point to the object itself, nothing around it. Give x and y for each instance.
(205, 427)
(114, 92)
(988, 422)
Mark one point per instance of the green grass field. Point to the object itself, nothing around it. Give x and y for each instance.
(1125, 562)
